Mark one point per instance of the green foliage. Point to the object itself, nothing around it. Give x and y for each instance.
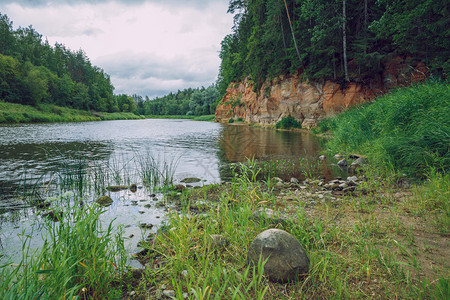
(407, 129)
(33, 72)
(288, 123)
(231, 120)
(197, 102)
(262, 44)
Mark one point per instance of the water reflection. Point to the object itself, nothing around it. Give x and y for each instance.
(237, 143)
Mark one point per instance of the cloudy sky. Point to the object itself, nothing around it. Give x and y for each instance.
(149, 47)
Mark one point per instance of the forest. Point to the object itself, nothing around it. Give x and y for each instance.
(34, 72)
(340, 40)
(195, 102)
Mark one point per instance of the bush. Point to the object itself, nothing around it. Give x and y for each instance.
(407, 129)
(287, 123)
(231, 120)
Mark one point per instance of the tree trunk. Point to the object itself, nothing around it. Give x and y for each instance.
(292, 30)
(344, 41)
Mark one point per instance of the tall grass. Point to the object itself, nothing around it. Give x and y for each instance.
(408, 129)
(78, 259)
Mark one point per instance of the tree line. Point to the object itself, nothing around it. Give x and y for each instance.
(190, 101)
(340, 40)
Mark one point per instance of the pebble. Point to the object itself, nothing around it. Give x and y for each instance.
(169, 293)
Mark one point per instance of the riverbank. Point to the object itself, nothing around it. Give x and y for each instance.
(182, 117)
(12, 113)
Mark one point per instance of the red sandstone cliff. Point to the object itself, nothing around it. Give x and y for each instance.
(307, 101)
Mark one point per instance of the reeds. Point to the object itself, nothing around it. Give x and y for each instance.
(78, 259)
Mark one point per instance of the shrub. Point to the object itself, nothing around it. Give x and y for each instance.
(287, 123)
(231, 120)
(407, 129)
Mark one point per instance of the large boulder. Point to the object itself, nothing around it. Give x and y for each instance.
(286, 258)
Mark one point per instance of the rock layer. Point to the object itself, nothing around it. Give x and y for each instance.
(307, 101)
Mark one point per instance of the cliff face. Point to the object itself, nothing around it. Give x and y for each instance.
(307, 101)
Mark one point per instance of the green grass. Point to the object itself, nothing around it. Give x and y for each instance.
(45, 113)
(78, 259)
(405, 131)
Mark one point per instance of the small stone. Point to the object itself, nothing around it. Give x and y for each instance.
(190, 180)
(185, 273)
(278, 179)
(169, 293)
(294, 180)
(359, 162)
(117, 188)
(342, 163)
(349, 189)
(338, 156)
(352, 178)
(343, 185)
(104, 201)
(322, 157)
(132, 293)
(179, 187)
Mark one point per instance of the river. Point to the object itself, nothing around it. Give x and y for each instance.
(35, 156)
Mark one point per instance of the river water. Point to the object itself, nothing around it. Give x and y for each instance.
(34, 156)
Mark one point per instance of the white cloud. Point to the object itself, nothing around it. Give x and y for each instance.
(148, 47)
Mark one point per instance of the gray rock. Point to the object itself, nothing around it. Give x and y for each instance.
(352, 178)
(349, 189)
(286, 258)
(294, 180)
(342, 163)
(104, 201)
(169, 293)
(343, 185)
(191, 180)
(359, 162)
(179, 187)
(338, 156)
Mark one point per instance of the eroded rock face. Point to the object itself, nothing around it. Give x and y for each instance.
(309, 102)
(286, 258)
